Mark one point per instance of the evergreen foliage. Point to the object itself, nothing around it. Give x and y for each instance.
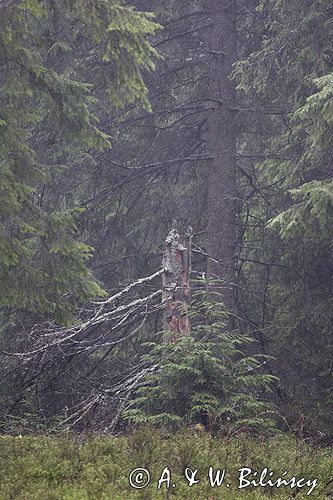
(205, 378)
(48, 122)
(290, 70)
(98, 154)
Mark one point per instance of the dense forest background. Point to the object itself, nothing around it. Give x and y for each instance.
(116, 120)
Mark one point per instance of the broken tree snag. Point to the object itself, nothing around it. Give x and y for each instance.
(176, 281)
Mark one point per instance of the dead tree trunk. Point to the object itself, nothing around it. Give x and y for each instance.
(221, 45)
(176, 282)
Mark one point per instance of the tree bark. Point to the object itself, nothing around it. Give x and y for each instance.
(176, 282)
(221, 44)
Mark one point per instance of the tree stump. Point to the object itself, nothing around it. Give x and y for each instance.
(176, 282)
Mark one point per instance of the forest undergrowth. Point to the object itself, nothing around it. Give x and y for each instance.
(70, 467)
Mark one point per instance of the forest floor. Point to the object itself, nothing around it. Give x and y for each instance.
(99, 467)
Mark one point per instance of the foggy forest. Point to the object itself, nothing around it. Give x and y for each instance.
(166, 249)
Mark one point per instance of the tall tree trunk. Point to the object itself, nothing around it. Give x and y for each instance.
(221, 44)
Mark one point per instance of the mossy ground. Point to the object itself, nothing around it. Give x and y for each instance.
(98, 468)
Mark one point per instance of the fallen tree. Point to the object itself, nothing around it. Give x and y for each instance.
(50, 352)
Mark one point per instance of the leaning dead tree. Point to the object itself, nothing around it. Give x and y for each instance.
(104, 327)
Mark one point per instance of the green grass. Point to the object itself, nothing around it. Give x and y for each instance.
(52, 468)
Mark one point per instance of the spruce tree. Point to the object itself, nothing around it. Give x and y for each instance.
(51, 58)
